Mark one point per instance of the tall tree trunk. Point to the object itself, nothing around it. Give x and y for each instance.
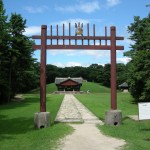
(9, 82)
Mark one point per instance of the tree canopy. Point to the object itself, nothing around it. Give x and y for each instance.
(93, 73)
(139, 66)
(18, 71)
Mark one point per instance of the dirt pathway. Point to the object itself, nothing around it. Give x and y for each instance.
(86, 135)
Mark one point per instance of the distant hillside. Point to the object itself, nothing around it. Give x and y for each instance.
(92, 87)
(49, 88)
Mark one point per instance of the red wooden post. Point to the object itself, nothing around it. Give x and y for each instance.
(69, 33)
(43, 69)
(113, 68)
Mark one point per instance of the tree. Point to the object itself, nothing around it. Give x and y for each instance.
(139, 76)
(95, 73)
(139, 67)
(4, 55)
(22, 72)
(18, 70)
(51, 73)
(121, 73)
(106, 75)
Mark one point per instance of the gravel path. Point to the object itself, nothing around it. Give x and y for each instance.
(86, 135)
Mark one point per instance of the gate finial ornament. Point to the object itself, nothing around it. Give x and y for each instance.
(79, 29)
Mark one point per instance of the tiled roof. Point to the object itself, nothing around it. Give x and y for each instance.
(60, 80)
(123, 85)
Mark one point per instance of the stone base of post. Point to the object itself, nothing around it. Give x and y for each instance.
(41, 120)
(113, 117)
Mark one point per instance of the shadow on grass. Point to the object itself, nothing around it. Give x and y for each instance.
(147, 130)
(24, 103)
(14, 126)
(125, 118)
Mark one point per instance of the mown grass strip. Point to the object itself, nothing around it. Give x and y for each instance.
(17, 130)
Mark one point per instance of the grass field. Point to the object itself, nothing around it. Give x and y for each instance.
(94, 88)
(136, 134)
(50, 88)
(17, 125)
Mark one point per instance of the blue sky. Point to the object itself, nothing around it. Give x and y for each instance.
(119, 13)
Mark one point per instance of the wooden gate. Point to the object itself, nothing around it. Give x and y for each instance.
(77, 41)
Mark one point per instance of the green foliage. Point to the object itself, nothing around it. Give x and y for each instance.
(18, 70)
(139, 76)
(140, 34)
(4, 54)
(23, 74)
(139, 67)
(51, 73)
(106, 75)
(121, 73)
(93, 73)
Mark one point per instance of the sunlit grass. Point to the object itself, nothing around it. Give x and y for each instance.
(94, 88)
(17, 130)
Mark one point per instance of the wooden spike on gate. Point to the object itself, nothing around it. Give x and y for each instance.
(63, 33)
(69, 33)
(105, 35)
(94, 32)
(51, 33)
(57, 32)
(75, 39)
(88, 32)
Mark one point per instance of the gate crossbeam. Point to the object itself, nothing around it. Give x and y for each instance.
(78, 47)
(78, 37)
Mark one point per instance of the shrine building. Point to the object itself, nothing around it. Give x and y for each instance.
(68, 84)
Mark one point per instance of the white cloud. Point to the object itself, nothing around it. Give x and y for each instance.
(59, 64)
(123, 60)
(33, 10)
(68, 64)
(95, 54)
(72, 21)
(86, 7)
(112, 3)
(32, 30)
(128, 41)
(63, 52)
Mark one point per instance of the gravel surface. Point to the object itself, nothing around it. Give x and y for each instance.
(86, 135)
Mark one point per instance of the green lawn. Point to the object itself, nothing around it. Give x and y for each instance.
(17, 130)
(94, 88)
(136, 134)
(50, 88)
